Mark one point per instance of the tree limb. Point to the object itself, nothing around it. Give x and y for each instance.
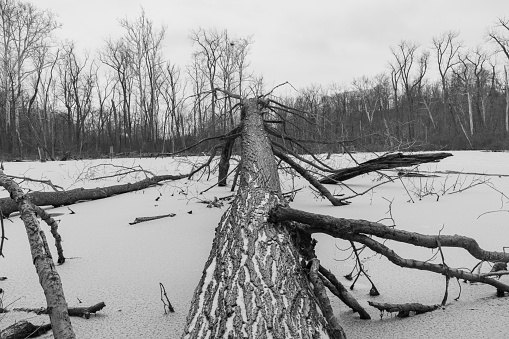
(312, 180)
(341, 228)
(385, 162)
(60, 198)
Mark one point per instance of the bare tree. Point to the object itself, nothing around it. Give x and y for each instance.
(117, 56)
(105, 85)
(412, 69)
(210, 50)
(173, 91)
(500, 35)
(198, 86)
(447, 48)
(144, 42)
(77, 80)
(25, 30)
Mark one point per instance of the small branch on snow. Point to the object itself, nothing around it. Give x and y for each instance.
(143, 219)
(165, 300)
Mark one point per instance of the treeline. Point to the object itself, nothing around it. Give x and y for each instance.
(465, 107)
(58, 102)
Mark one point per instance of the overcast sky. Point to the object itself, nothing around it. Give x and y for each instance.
(301, 41)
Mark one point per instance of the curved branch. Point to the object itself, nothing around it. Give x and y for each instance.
(53, 224)
(423, 265)
(344, 228)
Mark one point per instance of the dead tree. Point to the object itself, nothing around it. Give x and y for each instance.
(63, 198)
(262, 277)
(253, 283)
(41, 256)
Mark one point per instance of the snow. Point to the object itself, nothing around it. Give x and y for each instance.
(122, 264)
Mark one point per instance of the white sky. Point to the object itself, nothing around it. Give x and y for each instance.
(301, 41)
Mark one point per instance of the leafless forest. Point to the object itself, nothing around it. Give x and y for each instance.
(57, 101)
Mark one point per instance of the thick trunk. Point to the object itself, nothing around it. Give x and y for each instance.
(253, 284)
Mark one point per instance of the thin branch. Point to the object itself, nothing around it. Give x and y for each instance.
(312, 180)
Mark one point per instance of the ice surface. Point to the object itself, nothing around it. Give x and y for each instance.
(122, 264)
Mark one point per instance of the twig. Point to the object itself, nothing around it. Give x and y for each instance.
(3, 234)
(447, 276)
(143, 219)
(166, 303)
(491, 212)
(373, 291)
(56, 188)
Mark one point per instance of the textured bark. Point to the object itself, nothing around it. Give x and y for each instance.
(61, 198)
(41, 256)
(382, 163)
(253, 284)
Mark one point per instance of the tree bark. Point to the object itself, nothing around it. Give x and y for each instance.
(253, 284)
(41, 256)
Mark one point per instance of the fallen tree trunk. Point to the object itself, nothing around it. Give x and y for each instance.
(24, 329)
(43, 262)
(62, 198)
(382, 163)
(253, 284)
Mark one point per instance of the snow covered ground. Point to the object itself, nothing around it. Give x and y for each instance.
(122, 264)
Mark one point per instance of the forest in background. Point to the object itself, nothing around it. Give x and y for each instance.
(58, 102)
